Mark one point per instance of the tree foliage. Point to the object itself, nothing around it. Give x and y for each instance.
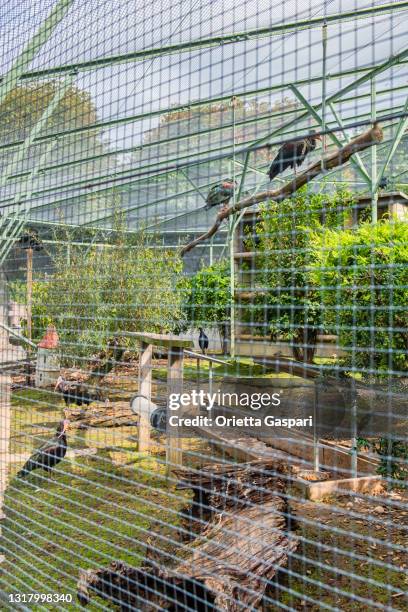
(98, 291)
(207, 298)
(290, 307)
(363, 275)
(23, 106)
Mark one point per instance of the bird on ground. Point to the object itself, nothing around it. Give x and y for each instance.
(202, 340)
(74, 392)
(49, 454)
(292, 154)
(221, 193)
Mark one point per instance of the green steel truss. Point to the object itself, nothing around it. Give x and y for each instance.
(18, 208)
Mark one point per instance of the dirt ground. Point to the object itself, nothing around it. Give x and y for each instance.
(352, 550)
(352, 555)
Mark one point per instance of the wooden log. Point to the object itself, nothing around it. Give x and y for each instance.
(240, 555)
(338, 158)
(116, 414)
(232, 561)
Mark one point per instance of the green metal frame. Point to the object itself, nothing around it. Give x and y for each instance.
(213, 41)
(123, 179)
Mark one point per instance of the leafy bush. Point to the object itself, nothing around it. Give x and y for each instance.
(97, 291)
(291, 309)
(207, 298)
(363, 275)
(393, 457)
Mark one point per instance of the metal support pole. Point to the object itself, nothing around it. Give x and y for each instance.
(212, 250)
(374, 188)
(316, 458)
(232, 235)
(232, 285)
(324, 89)
(354, 434)
(210, 377)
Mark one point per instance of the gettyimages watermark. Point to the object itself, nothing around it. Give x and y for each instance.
(264, 409)
(199, 408)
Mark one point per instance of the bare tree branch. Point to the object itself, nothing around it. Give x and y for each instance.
(338, 158)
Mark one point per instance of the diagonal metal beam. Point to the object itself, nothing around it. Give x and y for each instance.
(361, 170)
(37, 128)
(12, 225)
(399, 133)
(21, 65)
(193, 184)
(357, 156)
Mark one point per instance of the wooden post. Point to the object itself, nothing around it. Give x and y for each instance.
(145, 388)
(29, 291)
(175, 346)
(175, 364)
(5, 394)
(5, 407)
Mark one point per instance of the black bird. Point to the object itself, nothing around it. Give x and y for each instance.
(221, 193)
(74, 392)
(49, 454)
(292, 154)
(383, 184)
(202, 340)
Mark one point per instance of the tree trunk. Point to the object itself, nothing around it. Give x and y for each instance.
(304, 344)
(225, 332)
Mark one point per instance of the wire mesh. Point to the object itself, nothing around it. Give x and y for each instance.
(203, 291)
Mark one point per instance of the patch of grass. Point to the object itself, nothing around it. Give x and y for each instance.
(89, 513)
(238, 368)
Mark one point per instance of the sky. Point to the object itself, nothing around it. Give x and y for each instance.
(93, 29)
(96, 29)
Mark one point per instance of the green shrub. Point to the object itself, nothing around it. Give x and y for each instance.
(291, 309)
(207, 299)
(363, 279)
(97, 291)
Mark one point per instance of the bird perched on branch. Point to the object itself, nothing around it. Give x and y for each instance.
(221, 193)
(292, 154)
(49, 454)
(202, 340)
(74, 392)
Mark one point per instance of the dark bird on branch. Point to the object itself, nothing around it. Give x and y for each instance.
(49, 454)
(202, 340)
(221, 193)
(74, 392)
(383, 184)
(292, 154)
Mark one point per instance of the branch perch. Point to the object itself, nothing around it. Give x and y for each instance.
(369, 138)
